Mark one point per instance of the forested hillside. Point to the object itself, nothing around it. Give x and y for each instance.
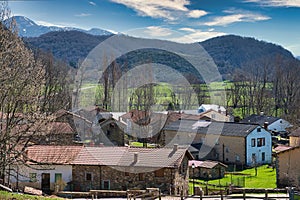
(229, 52)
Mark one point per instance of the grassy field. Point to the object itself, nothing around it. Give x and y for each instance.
(266, 178)
(9, 196)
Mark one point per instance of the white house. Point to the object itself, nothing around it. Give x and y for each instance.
(258, 146)
(274, 124)
(47, 168)
(217, 108)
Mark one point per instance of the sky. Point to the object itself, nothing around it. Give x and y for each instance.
(275, 21)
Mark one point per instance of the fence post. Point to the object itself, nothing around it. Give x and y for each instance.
(266, 194)
(244, 194)
(221, 195)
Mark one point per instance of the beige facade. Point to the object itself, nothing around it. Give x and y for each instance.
(288, 167)
(294, 141)
(227, 149)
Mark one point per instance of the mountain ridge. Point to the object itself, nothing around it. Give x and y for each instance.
(28, 28)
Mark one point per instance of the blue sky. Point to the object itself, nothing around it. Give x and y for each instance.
(275, 21)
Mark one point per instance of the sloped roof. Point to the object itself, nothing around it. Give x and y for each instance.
(223, 128)
(295, 133)
(124, 156)
(260, 119)
(288, 149)
(280, 148)
(46, 154)
(206, 164)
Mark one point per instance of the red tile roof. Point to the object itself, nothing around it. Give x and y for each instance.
(52, 154)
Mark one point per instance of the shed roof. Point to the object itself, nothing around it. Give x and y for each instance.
(206, 164)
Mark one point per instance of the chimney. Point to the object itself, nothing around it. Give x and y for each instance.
(136, 154)
(266, 124)
(261, 113)
(175, 147)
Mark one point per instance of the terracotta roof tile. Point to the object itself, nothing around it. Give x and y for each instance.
(52, 154)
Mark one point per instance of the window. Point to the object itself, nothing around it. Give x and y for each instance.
(260, 142)
(88, 176)
(227, 150)
(253, 142)
(106, 184)
(237, 158)
(213, 116)
(159, 173)
(126, 173)
(263, 156)
(108, 132)
(258, 129)
(32, 177)
(141, 176)
(58, 177)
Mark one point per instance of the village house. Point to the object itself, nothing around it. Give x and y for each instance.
(52, 168)
(288, 167)
(55, 133)
(274, 124)
(206, 169)
(294, 138)
(122, 168)
(228, 142)
(94, 126)
(207, 107)
(46, 167)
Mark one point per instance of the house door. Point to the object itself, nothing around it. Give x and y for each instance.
(46, 183)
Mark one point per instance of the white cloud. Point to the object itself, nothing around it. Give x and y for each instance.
(196, 35)
(166, 9)
(277, 3)
(187, 29)
(83, 15)
(92, 3)
(196, 13)
(157, 31)
(236, 16)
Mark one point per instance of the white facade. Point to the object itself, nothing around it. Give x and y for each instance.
(259, 147)
(279, 126)
(217, 108)
(32, 176)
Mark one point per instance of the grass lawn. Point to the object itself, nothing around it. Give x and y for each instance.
(7, 195)
(266, 178)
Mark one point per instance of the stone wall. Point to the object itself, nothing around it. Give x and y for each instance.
(168, 180)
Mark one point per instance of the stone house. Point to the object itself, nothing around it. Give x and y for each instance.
(288, 168)
(207, 169)
(53, 168)
(227, 142)
(122, 168)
